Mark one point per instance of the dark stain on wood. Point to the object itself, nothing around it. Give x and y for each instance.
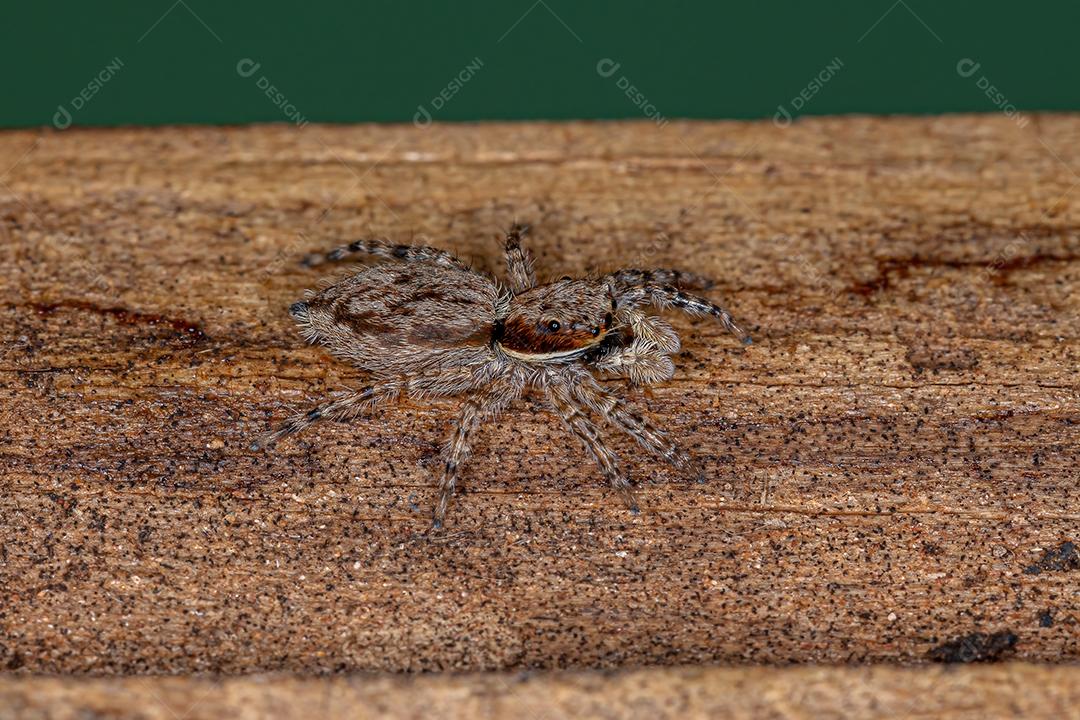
(924, 357)
(976, 647)
(1059, 559)
(187, 331)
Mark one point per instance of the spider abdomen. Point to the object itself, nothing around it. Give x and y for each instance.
(391, 319)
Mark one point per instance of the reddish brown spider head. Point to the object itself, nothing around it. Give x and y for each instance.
(557, 321)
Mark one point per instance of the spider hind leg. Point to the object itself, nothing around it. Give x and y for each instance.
(343, 408)
(388, 250)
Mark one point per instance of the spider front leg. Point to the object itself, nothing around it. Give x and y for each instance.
(578, 423)
(645, 360)
(650, 329)
(662, 276)
(637, 426)
(631, 288)
(641, 362)
(519, 262)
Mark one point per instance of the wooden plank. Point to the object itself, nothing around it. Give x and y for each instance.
(1011, 690)
(891, 468)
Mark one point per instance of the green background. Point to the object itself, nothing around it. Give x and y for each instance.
(380, 61)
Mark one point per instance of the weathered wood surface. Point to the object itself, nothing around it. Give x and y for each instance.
(1010, 690)
(892, 467)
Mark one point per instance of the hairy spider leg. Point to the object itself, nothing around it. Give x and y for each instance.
(386, 249)
(635, 287)
(651, 329)
(519, 261)
(440, 384)
(641, 362)
(343, 408)
(617, 413)
(662, 276)
(578, 423)
(481, 406)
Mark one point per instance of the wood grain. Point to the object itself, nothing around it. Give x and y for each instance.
(1010, 690)
(892, 467)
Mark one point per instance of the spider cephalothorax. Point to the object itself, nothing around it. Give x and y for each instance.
(430, 326)
(561, 320)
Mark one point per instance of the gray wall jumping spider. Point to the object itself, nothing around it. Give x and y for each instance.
(429, 326)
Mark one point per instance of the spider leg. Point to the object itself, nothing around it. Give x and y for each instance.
(650, 329)
(662, 276)
(343, 408)
(586, 431)
(631, 288)
(450, 382)
(479, 407)
(386, 249)
(519, 261)
(637, 426)
(642, 355)
(641, 362)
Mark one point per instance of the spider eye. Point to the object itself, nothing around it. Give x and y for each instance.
(554, 326)
(595, 331)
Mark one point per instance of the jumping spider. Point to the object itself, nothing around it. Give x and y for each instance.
(429, 326)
